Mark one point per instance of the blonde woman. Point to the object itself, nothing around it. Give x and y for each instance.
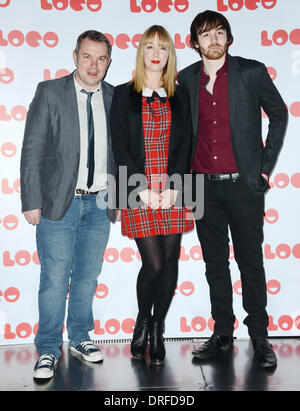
(151, 137)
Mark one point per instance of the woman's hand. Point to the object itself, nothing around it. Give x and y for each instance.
(168, 198)
(150, 198)
(118, 214)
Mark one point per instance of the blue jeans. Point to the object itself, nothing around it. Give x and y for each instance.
(70, 252)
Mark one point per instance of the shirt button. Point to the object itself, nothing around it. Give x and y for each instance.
(215, 157)
(215, 122)
(214, 103)
(214, 141)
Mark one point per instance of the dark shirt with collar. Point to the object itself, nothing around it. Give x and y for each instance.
(214, 152)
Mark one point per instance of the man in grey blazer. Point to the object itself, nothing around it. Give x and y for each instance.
(226, 96)
(65, 162)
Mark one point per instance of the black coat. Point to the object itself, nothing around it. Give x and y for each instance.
(250, 89)
(128, 136)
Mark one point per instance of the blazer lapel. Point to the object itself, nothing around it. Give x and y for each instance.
(107, 104)
(233, 88)
(194, 91)
(71, 112)
(176, 124)
(136, 121)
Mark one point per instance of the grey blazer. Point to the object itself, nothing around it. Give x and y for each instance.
(51, 147)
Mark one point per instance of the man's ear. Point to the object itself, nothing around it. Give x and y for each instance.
(74, 57)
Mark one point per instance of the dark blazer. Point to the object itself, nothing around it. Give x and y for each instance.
(128, 136)
(250, 89)
(51, 147)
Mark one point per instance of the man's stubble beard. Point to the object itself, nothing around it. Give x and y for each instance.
(214, 54)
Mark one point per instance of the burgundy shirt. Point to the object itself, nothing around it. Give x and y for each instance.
(214, 152)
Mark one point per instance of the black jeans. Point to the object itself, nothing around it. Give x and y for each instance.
(231, 204)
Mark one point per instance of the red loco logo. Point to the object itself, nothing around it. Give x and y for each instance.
(237, 5)
(149, 6)
(8, 149)
(127, 255)
(10, 222)
(113, 326)
(4, 3)
(11, 295)
(271, 216)
(33, 39)
(186, 289)
(280, 37)
(76, 5)
(123, 40)
(6, 75)
(199, 324)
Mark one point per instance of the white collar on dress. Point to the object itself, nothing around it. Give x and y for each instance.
(147, 92)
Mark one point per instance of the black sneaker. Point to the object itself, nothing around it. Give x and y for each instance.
(264, 355)
(44, 367)
(89, 351)
(214, 345)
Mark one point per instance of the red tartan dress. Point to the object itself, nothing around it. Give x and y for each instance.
(145, 222)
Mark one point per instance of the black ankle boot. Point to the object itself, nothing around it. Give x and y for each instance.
(140, 338)
(157, 347)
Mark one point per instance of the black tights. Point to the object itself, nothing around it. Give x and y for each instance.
(157, 278)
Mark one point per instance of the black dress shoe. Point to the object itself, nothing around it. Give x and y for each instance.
(264, 355)
(140, 338)
(157, 347)
(215, 344)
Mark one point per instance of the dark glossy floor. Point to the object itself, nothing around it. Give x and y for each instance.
(119, 372)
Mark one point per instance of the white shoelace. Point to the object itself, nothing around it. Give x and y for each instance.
(88, 345)
(46, 360)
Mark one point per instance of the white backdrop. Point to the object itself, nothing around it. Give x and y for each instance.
(36, 42)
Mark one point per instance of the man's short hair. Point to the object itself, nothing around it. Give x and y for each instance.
(206, 21)
(94, 36)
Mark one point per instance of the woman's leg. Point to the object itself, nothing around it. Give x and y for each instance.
(151, 251)
(165, 287)
(166, 282)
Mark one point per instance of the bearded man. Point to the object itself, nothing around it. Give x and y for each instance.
(226, 96)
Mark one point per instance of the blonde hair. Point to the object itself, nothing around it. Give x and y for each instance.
(169, 71)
